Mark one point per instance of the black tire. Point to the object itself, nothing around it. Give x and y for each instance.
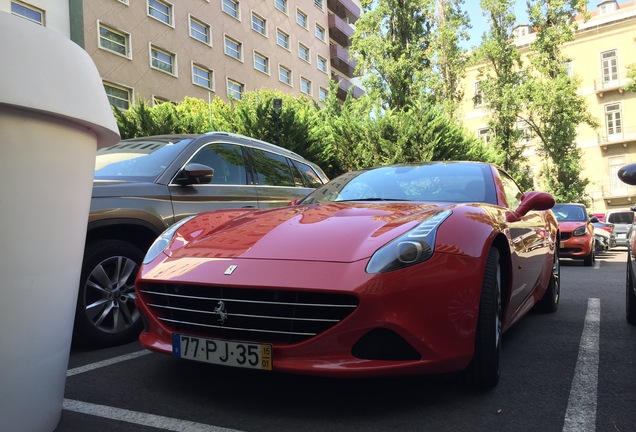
(631, 293)
(550, 301)
(588, 261)
(106, 314)
(483, 370)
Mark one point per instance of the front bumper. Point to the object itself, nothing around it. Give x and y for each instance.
(413, 321)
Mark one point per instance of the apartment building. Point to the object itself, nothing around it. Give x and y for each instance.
(603, 48)
(160, 50)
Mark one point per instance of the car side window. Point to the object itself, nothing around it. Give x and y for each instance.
(512, 191)
(272, 169)
(227, 161)
(310, 177)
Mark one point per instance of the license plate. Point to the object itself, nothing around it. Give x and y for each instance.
(223, 352)
(622, 236)
(562, 245)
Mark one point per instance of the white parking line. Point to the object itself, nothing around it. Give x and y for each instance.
(143, 419)
(580, 415)
(101, 364)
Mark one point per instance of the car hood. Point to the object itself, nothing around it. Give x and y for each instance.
(338, 232)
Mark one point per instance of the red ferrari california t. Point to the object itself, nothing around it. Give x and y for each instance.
(396, 270)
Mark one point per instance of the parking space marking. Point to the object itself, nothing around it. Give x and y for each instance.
(104, 363)
(580, 415)
(142, 419)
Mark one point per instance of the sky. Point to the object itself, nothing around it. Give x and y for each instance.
(479, 22)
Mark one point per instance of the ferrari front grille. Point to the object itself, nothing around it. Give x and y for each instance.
(259, 315)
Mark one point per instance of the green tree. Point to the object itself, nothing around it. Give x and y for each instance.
(499, 85)
(553, 109)
(631, 75)
(449, 59)
(391, 43)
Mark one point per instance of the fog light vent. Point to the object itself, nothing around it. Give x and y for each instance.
(384, 344)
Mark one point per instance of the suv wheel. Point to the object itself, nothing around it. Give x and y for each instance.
(106, 314)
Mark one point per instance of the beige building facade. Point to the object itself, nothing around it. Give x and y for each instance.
(603, 48)
(160, 50)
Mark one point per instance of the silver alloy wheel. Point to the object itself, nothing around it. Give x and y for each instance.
(109, 295)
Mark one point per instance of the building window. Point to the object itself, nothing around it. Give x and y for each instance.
(284, 75)
(261, 63)
(303, 52)
(484, 134)
(617, 187)
(606, 8)
(301, 18)
(322, 64)
(202, 76)
(477, 98)
(114, 40)
(231, 7)
(320, 32)
(162, 60)
(200, 30)
(158, 100)
(609, 64)
(305, 86)
(160, 10)
(234, 89)
(318, 4)
(527, 135)
(259, 24)
(281, 5)
(613, 122)
(322, 94)
(118, 96)
(569, 68)
(282, 39)
(233, 48)
(28, 12)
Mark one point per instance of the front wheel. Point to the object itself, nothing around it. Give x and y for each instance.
(588, 261)
(106, 314)
(483, 370)
(631, 295)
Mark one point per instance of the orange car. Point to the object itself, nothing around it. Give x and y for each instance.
(577, 232)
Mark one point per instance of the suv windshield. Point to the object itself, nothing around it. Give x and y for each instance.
(141, 160)
(569, 213)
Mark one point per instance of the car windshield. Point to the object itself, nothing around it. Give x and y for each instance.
(569, 213)
(452, 182)
(140, 160)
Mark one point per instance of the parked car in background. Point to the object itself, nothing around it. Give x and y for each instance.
(577, 232)
(627, 174)
(397, 270)
(144, 185)
(623, 221)
(604, 234)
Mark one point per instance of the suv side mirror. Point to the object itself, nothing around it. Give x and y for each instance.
(627, 174)
(194, 173)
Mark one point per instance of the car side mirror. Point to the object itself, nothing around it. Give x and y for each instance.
(627, 174)
(531, 201)
(194, 173)
(594, 219)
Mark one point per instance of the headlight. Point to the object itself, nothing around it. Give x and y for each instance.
(580, 231)
(162, 242)
(410, 248)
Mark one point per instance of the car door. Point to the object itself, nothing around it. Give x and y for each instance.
(528, 239)
(231, 185)
(277, 180)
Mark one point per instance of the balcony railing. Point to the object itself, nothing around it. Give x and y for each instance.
(339, 30)
(624, 137)
(345, 9)
(344, 86)
(341, 61)
(605, 85)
